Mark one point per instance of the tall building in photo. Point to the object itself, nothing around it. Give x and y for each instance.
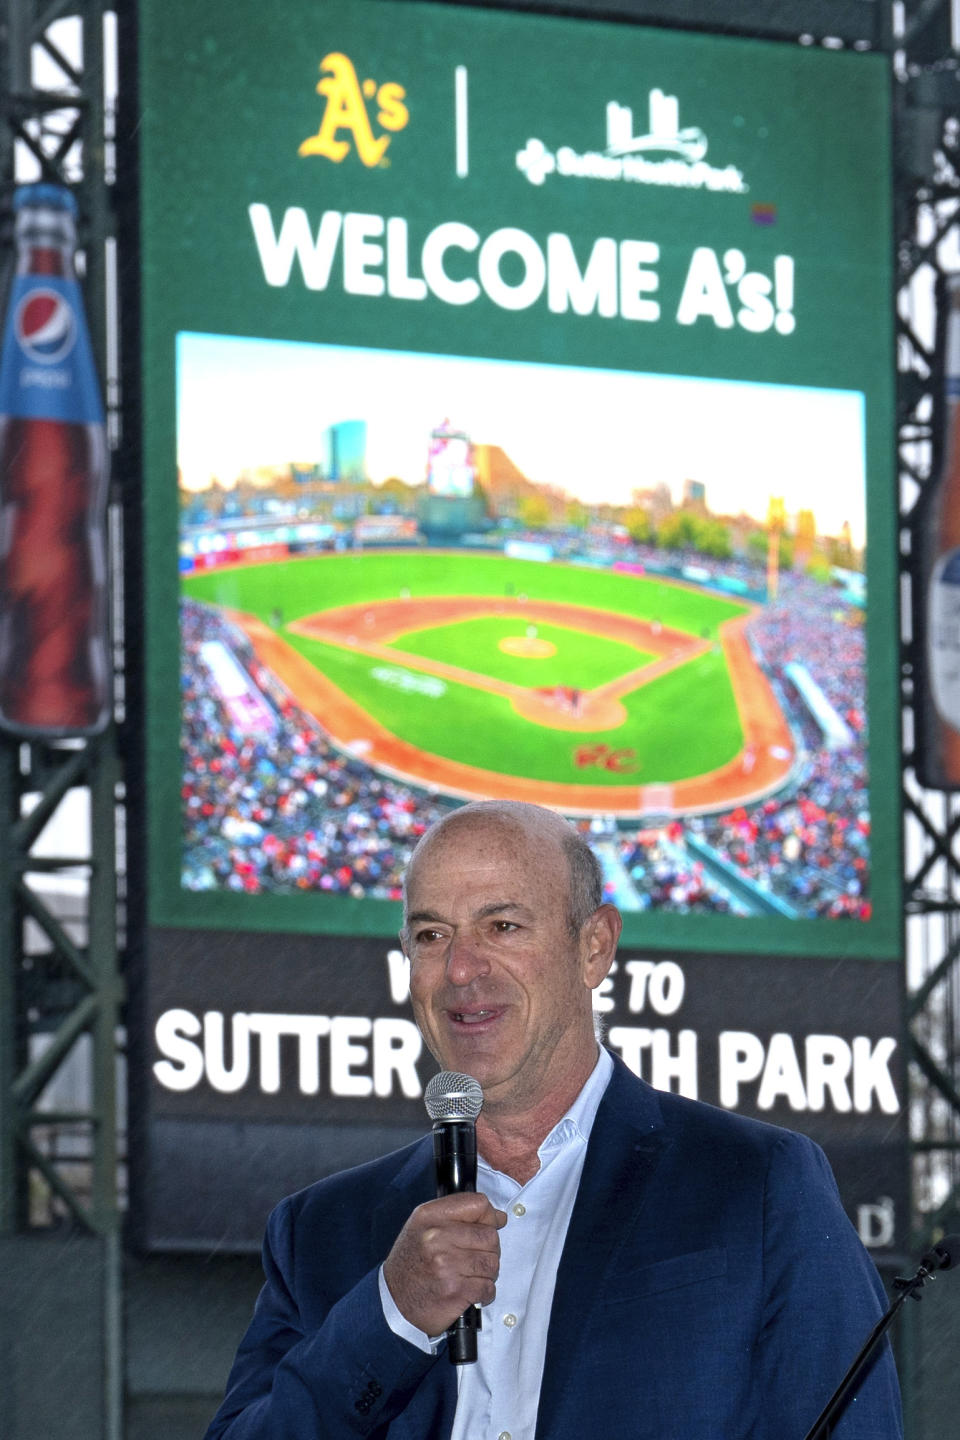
(344, 452)
(656, 502)
(695, 496)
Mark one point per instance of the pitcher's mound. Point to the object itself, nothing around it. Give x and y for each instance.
(527, 646)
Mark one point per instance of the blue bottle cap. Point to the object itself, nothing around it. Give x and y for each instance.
(46, 196)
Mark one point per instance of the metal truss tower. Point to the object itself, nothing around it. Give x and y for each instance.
(58, 962)
(927, 227)
(60, 995)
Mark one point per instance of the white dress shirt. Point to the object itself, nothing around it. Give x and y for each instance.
(499, 1395)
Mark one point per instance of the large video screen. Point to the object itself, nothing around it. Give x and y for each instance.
(517, 421)
(521, 441)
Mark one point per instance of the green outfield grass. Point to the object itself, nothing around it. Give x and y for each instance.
(681, 725)
(302, 587)
(581, 660)
(678, 726)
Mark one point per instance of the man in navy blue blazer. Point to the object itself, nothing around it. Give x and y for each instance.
(648, 1266)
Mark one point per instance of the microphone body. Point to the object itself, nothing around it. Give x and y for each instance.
(455, 1155)
(453, 1104)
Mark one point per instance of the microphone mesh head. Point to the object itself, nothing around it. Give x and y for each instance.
(450, 1096)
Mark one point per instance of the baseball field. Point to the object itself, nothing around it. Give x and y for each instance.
(478, 674)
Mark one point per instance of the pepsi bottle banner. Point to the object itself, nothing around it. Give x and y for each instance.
(46, 369)
(55, 678)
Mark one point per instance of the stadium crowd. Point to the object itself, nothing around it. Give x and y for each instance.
(812, 848)
(664, 877)
(282, 811)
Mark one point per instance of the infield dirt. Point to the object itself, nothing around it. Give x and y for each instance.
(761, 767)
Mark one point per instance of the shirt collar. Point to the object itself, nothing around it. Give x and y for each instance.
(578, 1121)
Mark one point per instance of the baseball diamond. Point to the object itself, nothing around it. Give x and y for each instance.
(594, 691)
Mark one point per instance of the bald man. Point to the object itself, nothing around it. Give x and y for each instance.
(648, 1266)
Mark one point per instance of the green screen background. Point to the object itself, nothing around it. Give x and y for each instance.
(228, 93)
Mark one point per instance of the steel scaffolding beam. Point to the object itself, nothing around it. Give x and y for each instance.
(60, 995)
(927, 201)
(60, 985)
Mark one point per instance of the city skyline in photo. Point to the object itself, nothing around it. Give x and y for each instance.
(596, 435)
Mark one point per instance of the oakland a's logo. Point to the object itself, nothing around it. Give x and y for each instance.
(346, 110)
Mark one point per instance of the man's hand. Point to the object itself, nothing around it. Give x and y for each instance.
(445, 1259)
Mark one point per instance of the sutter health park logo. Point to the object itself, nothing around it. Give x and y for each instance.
(347, 113)
(664, 155)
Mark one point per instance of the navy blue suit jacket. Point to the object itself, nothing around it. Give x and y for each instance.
(711, 1288)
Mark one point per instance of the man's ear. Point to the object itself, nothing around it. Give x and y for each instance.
(599, 937)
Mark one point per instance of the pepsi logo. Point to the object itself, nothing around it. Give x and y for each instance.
(46, 326)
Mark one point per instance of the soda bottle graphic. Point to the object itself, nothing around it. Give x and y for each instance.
(54, 671)
(938, 701)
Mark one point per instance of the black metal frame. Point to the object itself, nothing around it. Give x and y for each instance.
(59, 979)
(927, 208)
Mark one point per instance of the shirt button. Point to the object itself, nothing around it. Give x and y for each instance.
(509, 1321)
(518, 1209)
(504, 1435)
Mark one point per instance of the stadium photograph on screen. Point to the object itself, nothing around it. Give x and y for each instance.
(410, 580)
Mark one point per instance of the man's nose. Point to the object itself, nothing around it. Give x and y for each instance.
(466, 960)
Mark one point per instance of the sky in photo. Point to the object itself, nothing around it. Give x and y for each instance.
(598, 435)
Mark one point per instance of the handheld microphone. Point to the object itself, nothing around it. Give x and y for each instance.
(453, 1103)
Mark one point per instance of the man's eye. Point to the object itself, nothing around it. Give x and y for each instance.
(504, 926)
(424, 937)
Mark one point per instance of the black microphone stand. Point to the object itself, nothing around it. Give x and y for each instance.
(940, 1257)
